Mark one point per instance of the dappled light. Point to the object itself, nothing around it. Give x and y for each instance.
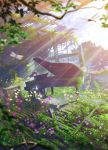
(53, 75)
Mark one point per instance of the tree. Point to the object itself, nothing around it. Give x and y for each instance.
(12, 32)
(9, 7)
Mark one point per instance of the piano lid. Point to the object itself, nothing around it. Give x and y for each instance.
(60, 69)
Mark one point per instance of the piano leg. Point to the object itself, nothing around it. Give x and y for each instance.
(42, 92)
(52, 90)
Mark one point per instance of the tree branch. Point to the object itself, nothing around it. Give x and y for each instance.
(36, 11)
(80, 8)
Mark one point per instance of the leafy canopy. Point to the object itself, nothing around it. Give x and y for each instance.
(11, 31)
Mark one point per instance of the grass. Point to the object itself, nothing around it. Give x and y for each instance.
(80, 125)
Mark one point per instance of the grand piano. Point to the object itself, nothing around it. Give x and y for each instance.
(64, 75)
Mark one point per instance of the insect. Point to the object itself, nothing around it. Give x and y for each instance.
(16, 56)
(93, 18)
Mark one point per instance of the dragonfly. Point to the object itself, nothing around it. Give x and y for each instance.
(16, 56)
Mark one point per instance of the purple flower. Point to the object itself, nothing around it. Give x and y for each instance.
(7, 103)
(49, 98)
(32, 125)
(42, 127)
(41, 122)
(36, 131)
(50, 131)
(14, 114)
(19, 109)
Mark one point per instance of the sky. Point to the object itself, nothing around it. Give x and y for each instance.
(88, 30)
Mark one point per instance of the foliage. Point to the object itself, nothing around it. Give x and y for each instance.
(22, 7)
(11, 34)
(10, 127)
(18, 81)
(81, 124)
(104, 20)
